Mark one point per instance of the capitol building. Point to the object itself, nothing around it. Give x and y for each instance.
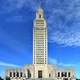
(40, 69)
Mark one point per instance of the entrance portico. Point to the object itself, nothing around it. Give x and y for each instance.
(39, 73)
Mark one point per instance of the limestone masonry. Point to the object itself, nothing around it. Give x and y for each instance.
(40, 69)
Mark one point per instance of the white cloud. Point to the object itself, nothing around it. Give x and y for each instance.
(66, 65)
(12, 43)
(2, 74)
(8, 64)
(64, 22)
(15, 18)
(15, 8)
(4, 65)
(56, 62)
(68, 38)
(53, 61)
(11, 5)
(63, 18)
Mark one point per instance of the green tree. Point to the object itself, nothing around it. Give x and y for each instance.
(8, 78)
(77, 79)
(1, 78)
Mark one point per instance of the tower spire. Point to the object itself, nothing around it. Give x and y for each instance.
(39, 13)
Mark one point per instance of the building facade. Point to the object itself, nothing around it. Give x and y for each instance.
(40, 69)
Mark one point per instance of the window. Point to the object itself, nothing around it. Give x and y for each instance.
(29, 74)
(39, 15)
(40, 74)
(13, 74)
(10, 74)
(64, 74)
(58, 74)
(21, 74)
(68, 74)
(49, 75)
(17, 74)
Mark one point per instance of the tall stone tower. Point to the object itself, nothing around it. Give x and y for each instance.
(40, 46)
(40, 69)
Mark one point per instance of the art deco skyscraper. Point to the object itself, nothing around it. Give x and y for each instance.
(40, 41)
(40, 70)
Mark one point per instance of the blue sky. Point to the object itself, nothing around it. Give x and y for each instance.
(16, 23)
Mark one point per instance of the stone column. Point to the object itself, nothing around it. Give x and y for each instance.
(67, 74)
(60, 74)
(12, 73)
(19, 74)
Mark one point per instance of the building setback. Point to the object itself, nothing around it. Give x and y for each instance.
(40, 69)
